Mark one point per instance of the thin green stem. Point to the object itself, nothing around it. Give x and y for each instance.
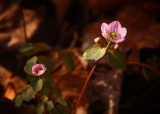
(108, 45)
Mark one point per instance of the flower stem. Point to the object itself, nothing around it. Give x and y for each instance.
(144, 65)
(90, 74)
(24, 25)
(108, 45)
(85, 86)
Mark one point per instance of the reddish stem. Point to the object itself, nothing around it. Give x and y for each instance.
(24, 25)
(144, 65)
(85, 86)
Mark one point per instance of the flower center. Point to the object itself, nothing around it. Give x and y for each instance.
(112, 35)
(38, 70)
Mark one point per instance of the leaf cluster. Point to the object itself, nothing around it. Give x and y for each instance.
(43, 85)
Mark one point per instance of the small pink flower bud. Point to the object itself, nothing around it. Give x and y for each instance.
(116, 46)
(38, 69)
(96, 40)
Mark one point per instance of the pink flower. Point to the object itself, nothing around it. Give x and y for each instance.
(96, 40)
(113, 32)
(38, 69)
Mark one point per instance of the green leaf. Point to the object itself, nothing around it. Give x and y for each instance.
(47, 62)
(29, 77)
(24, 89)
(29, 49)
(18, 101)
(46, 88)
(54, 111)
(48, 77)
(94, 53)
(42, 45)
(34, 80)
(40, 109)
(60, 100)
(84, 56)
(119, 55)
(38, 85)
(26, 47)
(67, 60)
(43, 100)
(28, 94)
(62, 109)
(49, 105)
(114, 62)
(28, 68)
(56, 96)
(56, 90)
(32, 60)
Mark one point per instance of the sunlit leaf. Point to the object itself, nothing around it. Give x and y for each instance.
(28, 94)
(62, 109)
(48, 77)
(40, 109)
(49, 105)
(47, 62)
(67, 60)
(18, 101)
(95, 52)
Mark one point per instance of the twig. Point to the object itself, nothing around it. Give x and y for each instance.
(85, 86)
(24, 25)
(144, 65)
